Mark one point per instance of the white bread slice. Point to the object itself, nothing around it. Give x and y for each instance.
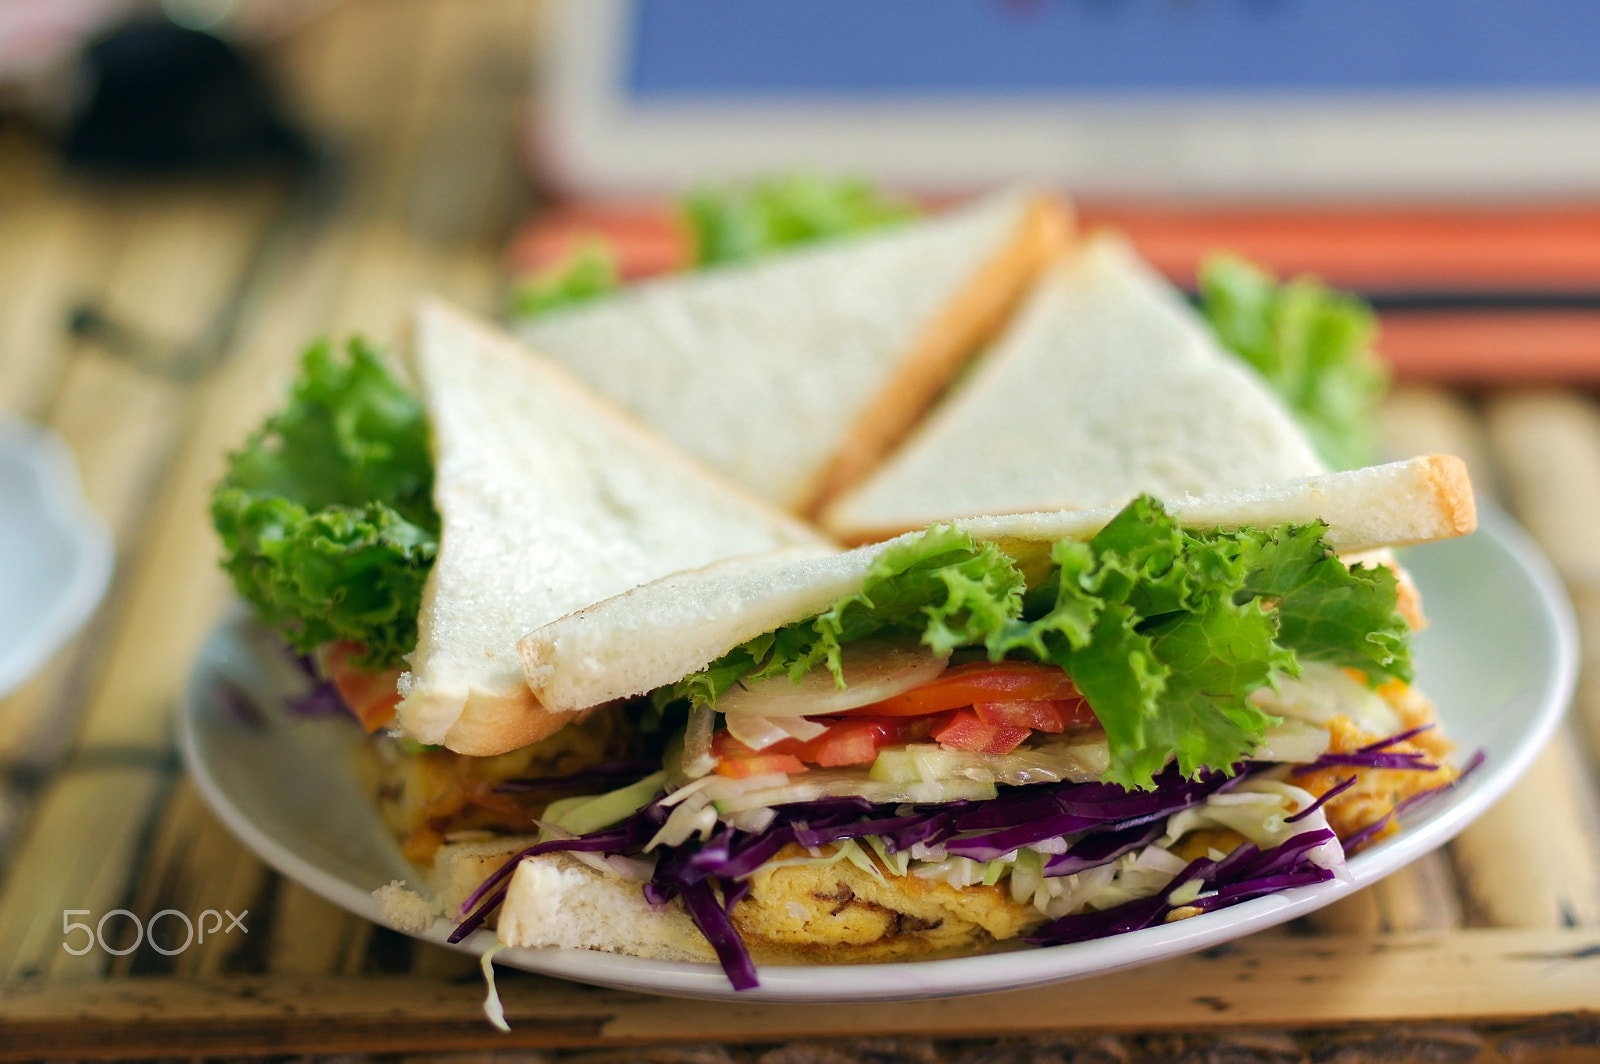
(459, 868)
(551, 500)
(661, 632)
(793, 375)
(1104, 385)
(556, 900)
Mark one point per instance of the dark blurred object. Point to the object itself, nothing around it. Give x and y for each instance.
(159, 98)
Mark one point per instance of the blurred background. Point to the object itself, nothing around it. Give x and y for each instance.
(191, 190)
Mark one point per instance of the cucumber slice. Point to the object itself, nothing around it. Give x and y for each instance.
(591, 812)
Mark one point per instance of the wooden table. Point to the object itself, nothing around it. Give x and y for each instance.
(1489, 950)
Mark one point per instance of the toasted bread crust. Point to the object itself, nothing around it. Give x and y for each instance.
(1452, 493)
(970, 320)
(499, 722)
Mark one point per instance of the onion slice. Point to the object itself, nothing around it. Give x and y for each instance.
(758, 733)
(873, 670)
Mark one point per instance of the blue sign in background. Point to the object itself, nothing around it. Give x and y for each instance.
(1010, 48)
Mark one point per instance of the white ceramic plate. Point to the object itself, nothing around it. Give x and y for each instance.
(55, 553)
(1499, 660)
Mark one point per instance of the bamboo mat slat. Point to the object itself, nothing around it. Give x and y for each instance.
(193, 864)
(1419, 419)
(310, 936)
(1424, 896)
(56, 250)
(1277, 981)
(1533, 860)
(125, 414)
(82, 839)
(1551, 440)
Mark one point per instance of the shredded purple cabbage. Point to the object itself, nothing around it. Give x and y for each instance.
(1245, 873)
(1338, 788)
(1095, 850)
(1377, 755)
(711, 917)
(1384, 744)
(1406, 805)
(237, 703)
(1379, 759)
(321, 700)
(1049, 811)
(711, 875)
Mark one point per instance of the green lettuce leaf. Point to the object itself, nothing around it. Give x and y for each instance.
(1166, 631)
(1311, 343)
(725, 224)
(740, 223)
(589, 272)
(939, 587)
(304, 537)
(1158, 630)
(1327, 612)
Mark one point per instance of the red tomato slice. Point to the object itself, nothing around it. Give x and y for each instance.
(370, 695)
(964, 731)
(1042, 714)
(762, 764)
(855, 741)
(981, 681)
(852, 741)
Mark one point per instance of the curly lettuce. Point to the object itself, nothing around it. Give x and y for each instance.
(1166, 631)
(724, 224)
(940, 588)
(743, 222)
(326, 513)
(588, 272)
(1312, 344)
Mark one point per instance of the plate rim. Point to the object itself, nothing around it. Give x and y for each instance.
(997, 970)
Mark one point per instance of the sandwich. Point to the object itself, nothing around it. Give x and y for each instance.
(1060, 714)
(624, 705)
(1049, 726)
(793, 373)
(409, 542)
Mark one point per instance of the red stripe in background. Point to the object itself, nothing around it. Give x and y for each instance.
(1553, 248)
(1437, 250)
